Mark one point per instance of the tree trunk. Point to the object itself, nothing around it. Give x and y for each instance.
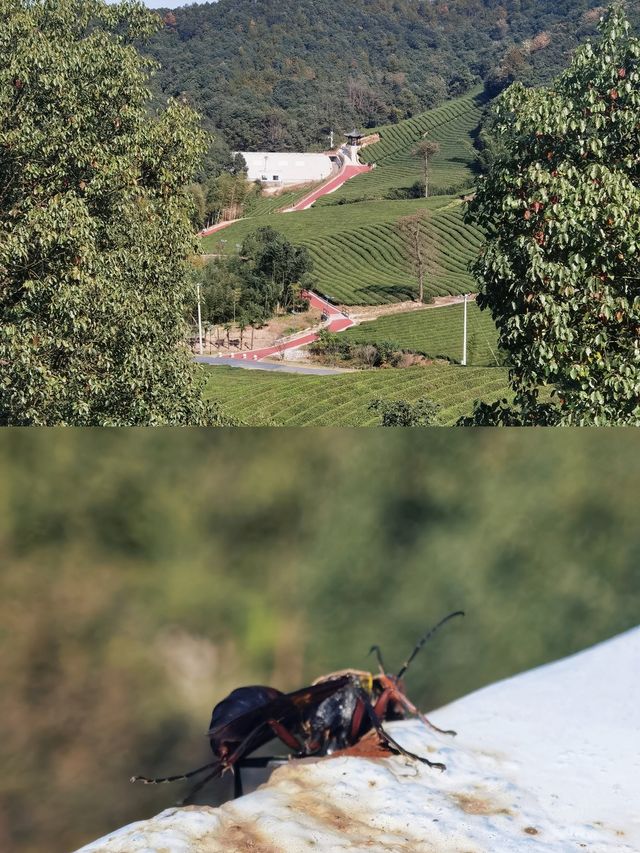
(419, 264)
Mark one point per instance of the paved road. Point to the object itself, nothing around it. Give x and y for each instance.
(221, 361)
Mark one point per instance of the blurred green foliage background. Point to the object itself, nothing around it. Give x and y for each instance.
(146, 574)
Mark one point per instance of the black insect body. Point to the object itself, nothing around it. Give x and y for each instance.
(331, 714)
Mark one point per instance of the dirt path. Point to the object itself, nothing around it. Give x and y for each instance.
(364, 313)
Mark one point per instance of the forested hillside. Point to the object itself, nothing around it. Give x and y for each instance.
(282, 73)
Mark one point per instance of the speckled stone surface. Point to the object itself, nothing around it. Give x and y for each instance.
(547, 761)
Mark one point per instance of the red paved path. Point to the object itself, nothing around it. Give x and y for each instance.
(337, 322)
(349, 170)
(213, 228)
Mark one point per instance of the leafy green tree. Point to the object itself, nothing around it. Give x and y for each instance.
(199, 212)
(94, 222)
(229, 196)
(282, 267)
(402, 413)
(561, 205)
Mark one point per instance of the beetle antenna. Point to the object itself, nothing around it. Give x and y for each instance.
(424, 639)
(378, 652)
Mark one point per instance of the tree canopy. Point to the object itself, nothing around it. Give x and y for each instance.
(282, 73)
(561, 204)
(94, 222)
(267, 276)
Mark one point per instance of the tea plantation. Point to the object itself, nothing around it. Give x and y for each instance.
(359, 255)
(452, 126)
(260, 398)
(435, 332)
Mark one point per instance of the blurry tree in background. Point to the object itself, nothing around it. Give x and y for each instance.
(145, 575)
(95, 223)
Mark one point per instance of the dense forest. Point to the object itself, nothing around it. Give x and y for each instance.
(282, 73)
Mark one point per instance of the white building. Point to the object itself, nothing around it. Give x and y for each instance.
(284, 168)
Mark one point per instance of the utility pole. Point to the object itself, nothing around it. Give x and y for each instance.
(199, 320)
(426, 174)
(464, 334)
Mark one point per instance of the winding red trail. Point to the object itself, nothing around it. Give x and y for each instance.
(336, 322)
(348, 171)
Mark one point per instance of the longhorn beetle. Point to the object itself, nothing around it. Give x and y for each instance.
(333, 713)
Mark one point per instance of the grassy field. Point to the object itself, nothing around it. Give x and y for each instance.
(289, 399)
(359, 255)
(435, 332)
(451, 125)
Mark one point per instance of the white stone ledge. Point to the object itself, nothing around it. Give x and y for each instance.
(547, 762)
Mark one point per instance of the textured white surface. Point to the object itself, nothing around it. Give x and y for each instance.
(290, 168)
(547, 762)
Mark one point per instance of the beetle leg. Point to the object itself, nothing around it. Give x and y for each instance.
(285, 735)
(386, 737)
(146, 781)
(383, 700)
(379, 708)
(237, 781)
(402, 699)
(356, 720)
(198, 787)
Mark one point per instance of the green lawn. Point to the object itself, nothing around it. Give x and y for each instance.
(289, 399)
(435, 332)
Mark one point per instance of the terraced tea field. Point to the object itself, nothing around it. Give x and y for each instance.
(359, 255)
(288, 399)
(273, 203)
(451, 125)
(435, 332)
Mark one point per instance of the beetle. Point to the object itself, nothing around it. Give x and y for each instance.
(332, 714)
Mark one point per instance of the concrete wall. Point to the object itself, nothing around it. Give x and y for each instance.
(287, 168)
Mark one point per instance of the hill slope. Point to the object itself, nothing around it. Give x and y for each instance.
(358, 252)
(453, 126)
(360, 256)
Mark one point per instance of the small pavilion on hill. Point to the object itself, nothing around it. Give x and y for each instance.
(354, 140)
